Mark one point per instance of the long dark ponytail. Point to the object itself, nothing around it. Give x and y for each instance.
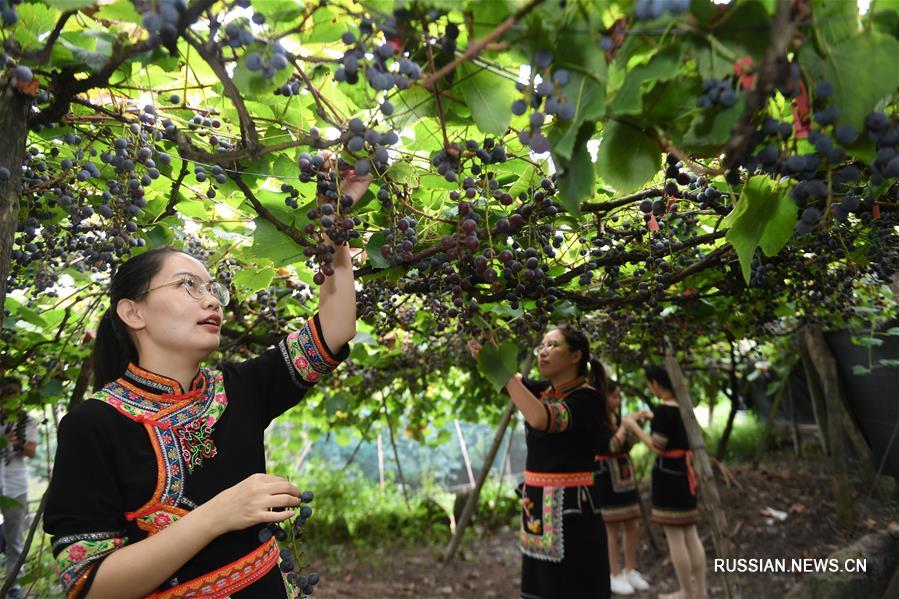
(113, 348)
(590, 367)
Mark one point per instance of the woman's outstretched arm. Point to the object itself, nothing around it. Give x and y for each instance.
(337, 295)
(138, 569)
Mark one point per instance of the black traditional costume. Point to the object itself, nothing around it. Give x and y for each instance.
(142, 453)
(562, 538)
(673, 479)
(616, 481)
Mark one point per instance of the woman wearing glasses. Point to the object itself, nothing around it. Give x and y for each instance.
(562, 537)
(159, 486)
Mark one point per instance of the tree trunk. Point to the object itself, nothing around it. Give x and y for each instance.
(14, 128)
(710, 496)
(734, 403)
(894, 285)
(482, 475)
(826, 368)
(797, 441)
(816, 395)
(772, 416)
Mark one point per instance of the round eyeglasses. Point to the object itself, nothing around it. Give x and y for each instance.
(197, 288)
(547, 346)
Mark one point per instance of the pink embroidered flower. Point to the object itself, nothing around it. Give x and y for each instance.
(162, 520)
(312, 376)
(77, 552)
(301, 363)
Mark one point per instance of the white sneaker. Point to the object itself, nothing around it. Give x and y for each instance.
(635, 580)
(620, 585)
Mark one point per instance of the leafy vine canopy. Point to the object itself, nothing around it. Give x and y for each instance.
(658, 169)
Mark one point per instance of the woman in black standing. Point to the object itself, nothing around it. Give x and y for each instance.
(674, 504)
(562, 538)
(616, 483)
(159, 486)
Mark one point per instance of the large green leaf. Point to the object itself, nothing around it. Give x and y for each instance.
(627, 157)
(862, 70)
(712, 127)
(488, 96)
(586, 89)
(250, 280)
(35, 21)
(498, 363)
(270, 243)
(764, 217)
(576, 180)
(662, 67)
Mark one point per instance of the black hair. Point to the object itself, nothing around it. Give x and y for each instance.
(590, 367)
(113, 348)
(657, 373)
(612, 385)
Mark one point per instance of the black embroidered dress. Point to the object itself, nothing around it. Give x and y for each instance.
(142, 453)
(616, 480)
(673, 481)
(562, 537)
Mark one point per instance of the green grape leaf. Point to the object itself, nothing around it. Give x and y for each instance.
(764, 217)
(627, 157)
(489, 97)
(856, 91)
(498, 363)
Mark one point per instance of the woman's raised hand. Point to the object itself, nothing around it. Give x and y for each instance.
(249, 502)
(474, 348)
(351, 184)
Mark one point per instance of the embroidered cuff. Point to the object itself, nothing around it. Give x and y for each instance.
(77, 558)
(558, 417)
(308, 355)
(659, 440)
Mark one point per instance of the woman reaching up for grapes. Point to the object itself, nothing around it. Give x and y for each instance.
(562, 536)
(159, 486)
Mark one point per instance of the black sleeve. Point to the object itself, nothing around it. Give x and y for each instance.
(662, 427)
(580, 410)
(282, 375)
(606, 438)
(85, 507)
(535, 387)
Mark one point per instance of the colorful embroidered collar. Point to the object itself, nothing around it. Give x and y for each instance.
(565, 388)
(162, 387)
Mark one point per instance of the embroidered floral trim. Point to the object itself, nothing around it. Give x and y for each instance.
(659, 440)
(558, 479)
(544, 540)
(621, 513)
(180, 432)
(221, 583)
(558, 417)
(307, 354)
(76, 561)
(675, 517)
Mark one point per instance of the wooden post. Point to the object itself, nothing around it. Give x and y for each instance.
(734, 396)
(826, 368)
(482, 475)
(894, 286)
(816, 396)
(396, 455)
(710, 496)
(769, 424)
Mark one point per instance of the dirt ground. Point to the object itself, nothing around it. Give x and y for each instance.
(489, 567)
